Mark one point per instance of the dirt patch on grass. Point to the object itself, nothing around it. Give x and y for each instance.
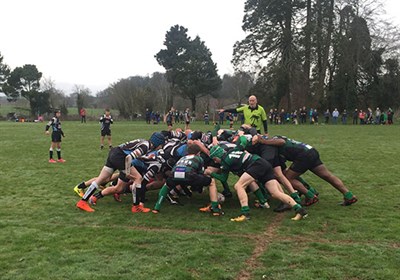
(262, 241)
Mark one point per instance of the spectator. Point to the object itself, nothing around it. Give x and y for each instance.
(206, 118)
(335, 115)
(327, 114)
(310, 115)
(344, 117)
(369, 117)
(315, 116)
(390, 116)
(221, 116)
(294, 117)
(282, 116)
(230, 119)
(271, 115)
(148, 116)
(187, 118)
(82, 113)
(377, 115)
(355, 116)
(361, 116)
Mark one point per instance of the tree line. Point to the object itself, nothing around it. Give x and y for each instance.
(315, 53)
(320, 53)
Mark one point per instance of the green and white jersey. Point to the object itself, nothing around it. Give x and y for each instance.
(292, 148)
(237, 160)
(187, 165)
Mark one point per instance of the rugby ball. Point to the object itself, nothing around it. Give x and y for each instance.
(220, 197)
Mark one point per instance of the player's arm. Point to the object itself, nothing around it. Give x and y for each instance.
(272, 141)
(201, 146)
(265, 124)
(48, 126)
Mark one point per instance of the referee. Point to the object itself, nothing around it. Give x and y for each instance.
(254, 114)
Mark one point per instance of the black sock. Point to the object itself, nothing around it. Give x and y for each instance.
(226, 186)
(59, 154)
(51, 154)
(82, 185)
(99, 195)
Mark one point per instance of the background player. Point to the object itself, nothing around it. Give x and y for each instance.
(106, 121)
(55, 125)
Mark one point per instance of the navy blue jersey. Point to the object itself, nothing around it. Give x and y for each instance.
(170, 117)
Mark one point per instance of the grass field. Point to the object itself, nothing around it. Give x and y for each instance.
(43, 235)
(22, 108)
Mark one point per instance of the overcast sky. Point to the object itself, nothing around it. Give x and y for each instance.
(96, 42)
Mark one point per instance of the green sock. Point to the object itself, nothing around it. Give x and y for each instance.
(223, 177)
(265, 193)
(307, 185)
(161, 196)
(304, 182)
(314, 191)
(296, 197)
(226, 186)
(348, 195)
(296, 207)
(258, 193)
(310, 194)
(214, 206)
(245, 210)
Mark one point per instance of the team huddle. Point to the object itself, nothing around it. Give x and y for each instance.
(177, 162)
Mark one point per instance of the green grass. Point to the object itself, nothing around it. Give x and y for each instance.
(43, 235)
(23, 109)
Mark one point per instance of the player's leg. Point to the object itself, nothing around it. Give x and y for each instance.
(104, 176)
(60, 159)
(109, 140)
(322, 172)
(101, 142)
(261, 200)
(240, 188)
(51, 151)
(288, 185)
(162, 194)
(273, 187)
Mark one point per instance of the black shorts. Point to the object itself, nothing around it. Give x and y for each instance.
(56, 136)
(105, 132)
(116, 159)
(194, 180)
(306, 161)
(261, 170)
